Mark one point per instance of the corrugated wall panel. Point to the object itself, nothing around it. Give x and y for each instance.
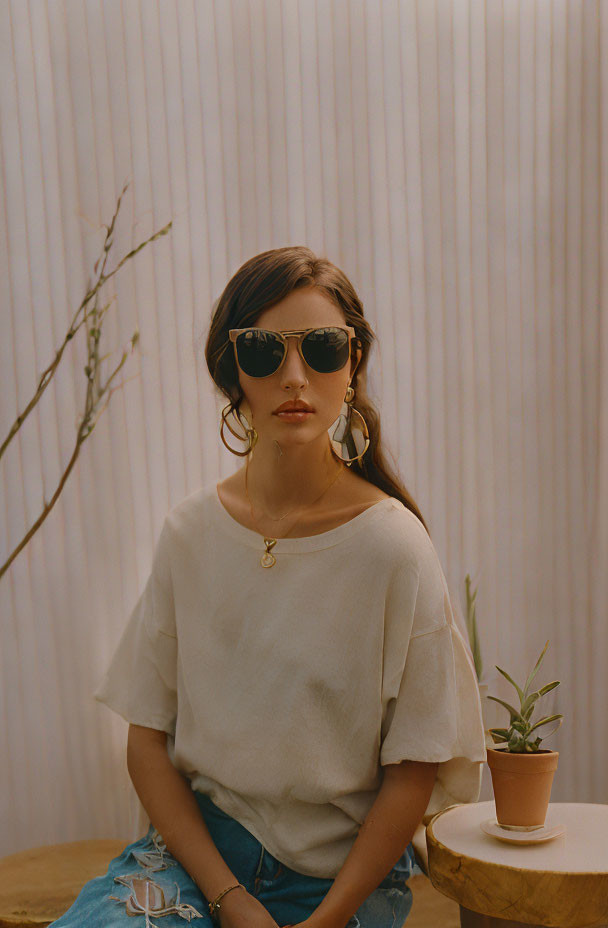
(450, 156)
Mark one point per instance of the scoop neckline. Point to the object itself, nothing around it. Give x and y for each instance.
(326, 539)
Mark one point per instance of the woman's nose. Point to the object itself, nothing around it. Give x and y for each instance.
(293, 370)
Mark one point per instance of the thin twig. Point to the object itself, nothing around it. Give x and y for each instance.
(75, 325)
(92, 319)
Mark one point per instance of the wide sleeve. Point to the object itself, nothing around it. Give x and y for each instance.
(431, 702)
(140, 683)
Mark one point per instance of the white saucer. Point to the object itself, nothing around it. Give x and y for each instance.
(546, 833)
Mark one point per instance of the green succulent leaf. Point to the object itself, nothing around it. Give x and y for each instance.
(550, 718)
(510, 679)
(548, 686)
(527, 706)
(521, 727)
(499, 735)
(515, 714)
(516, 741)
(533, 673)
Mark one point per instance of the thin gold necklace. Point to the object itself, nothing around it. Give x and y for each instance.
(268, 559)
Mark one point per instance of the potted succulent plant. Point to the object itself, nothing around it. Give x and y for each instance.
(522, 772)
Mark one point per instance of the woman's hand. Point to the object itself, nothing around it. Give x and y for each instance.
(245, 911)
(307, 923)
(239, 909)
(313, 921)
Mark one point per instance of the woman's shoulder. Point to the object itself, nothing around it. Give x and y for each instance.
(402, 535)
(189, 512)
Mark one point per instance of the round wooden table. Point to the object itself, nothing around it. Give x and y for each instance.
(40, 884)
(562, 883)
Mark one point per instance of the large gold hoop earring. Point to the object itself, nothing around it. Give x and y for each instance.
(251, 436)
(349, 434)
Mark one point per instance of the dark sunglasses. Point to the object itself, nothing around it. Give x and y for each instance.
(261, 352)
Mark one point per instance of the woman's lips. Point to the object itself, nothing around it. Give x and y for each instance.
(298, 415)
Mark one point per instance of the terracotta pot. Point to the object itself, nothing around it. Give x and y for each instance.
(522, 786)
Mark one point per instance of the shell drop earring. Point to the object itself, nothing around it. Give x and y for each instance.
(348, 435)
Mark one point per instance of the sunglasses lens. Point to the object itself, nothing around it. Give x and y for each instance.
(326, 350)
(259, 353)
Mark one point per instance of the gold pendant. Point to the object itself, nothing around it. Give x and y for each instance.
(268, 559)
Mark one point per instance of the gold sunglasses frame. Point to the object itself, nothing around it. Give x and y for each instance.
(300, 335)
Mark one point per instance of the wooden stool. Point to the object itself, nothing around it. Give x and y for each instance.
(40, 884)
(430, 909)
(562, 883)
(420, 850)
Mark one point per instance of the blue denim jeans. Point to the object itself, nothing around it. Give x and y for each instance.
(146, 880)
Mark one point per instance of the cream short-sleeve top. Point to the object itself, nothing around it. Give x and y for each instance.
(284, 690)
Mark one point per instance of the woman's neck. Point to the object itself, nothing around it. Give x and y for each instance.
(278, 479)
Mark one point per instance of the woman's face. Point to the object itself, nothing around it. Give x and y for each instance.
(295, 380)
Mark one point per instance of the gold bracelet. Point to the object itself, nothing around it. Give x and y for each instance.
(215, 905)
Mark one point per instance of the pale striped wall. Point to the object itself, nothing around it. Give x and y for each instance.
(451, 156)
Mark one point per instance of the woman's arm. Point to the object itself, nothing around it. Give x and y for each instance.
(167, 797)
(383, 837)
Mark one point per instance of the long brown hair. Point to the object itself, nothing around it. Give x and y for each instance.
(263, 281)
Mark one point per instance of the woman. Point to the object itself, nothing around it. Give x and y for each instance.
(298, 694)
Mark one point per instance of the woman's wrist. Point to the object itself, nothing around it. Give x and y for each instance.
(216, 904)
